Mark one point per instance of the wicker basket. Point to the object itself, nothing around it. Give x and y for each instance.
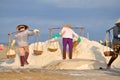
(108, 53)
(75, 43)
(11, 56)
(38, 52)
(52, 50)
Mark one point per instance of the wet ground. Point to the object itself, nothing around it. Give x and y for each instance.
(43, 74)
(47, 74)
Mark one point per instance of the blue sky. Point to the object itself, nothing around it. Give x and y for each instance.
(95, 15)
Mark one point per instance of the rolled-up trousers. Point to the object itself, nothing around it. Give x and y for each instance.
(116, 48)
(69, 42)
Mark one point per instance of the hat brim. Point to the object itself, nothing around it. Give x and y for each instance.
(22, 26)
(118, 21)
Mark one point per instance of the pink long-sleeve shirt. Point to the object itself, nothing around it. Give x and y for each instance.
(68, 33)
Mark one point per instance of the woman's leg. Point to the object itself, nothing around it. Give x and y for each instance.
(26, 48)
(70, 44)
(21, 51)
(64, 47)
(114, 56)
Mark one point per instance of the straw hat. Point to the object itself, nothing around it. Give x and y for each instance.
(118, 21)
(67, 26)
(22, 26)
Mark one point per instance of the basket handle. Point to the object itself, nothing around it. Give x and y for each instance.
(9, 44)
(37, 38)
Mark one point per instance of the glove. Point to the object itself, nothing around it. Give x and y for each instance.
(79, 39)
(36, 30)
(56, 35)
(13, 42)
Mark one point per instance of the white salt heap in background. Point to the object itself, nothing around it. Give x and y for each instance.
(86, 55)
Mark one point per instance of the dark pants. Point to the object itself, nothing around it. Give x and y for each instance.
(116, 48)
(68, 41)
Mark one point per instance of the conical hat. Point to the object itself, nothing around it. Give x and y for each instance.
(67, 26)
(22, 26)
(118, 21)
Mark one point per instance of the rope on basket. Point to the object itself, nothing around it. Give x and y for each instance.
(36, 45)
(52, 49)
(10, 51)
(108, 43)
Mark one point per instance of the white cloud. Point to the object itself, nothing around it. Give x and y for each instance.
(84, 3)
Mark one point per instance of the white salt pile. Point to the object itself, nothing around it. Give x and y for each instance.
(11, 52)
(86, 55)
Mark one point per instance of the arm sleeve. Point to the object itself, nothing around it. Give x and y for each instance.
(30, 33)
(110, 29)
(62, 31)
(75, 34)
(15, 37)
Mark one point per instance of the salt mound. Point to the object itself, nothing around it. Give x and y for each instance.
(74, 64)
(85, 50)
(11, 52)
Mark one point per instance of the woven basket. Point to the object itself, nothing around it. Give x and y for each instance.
(38, 52)
(52, 50)
(108, 53)
(11, 56)
(75, 43)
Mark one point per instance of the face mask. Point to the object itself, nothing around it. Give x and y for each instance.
(22, 29)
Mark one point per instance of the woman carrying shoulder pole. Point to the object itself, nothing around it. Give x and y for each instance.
(67, 34)
(21, 36)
